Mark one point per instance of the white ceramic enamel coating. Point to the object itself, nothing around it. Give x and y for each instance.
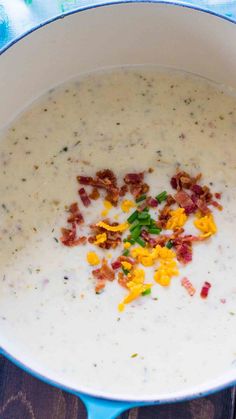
(110, 36)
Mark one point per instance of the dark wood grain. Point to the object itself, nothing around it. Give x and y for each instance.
(25, 397)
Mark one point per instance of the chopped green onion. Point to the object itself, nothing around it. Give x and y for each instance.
(132, 241)
(126, 272)
(169, 244)
(133, 217)
(134, 225)
(141, 198)
(147, 292)
(153, 230)
(126, 252)
(143, 215)
(146, 222)
(161, 197)
(136, 232)
(141, 242)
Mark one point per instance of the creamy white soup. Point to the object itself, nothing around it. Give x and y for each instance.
(129, 121)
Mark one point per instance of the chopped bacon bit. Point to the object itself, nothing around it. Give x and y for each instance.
(141, 207)
(218, 195)
(151, 202)
(161, 240)
(76, 216)
(164, 216)
(202, 206)
(84, 197)
(113, 237)
(69, 238)
(170, 200)
(184, 201)
(216, 205)
(135, 183)
(197, 189)
(205, 289)
(123, 190)
(104, 179)
(183, 180)
(85, 180)
(173, 182)
(105, 273)
(186, 239)
(134, 178)
(188, 286)
(137, 190)
(206, 195)
(107, 176)
(94, 194)
(126, 259)
(184, 252)
(153, 242)
(116, 265)
(145, 235)
(100, 285)
(122, 279)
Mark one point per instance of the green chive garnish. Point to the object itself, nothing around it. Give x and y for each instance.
(126, 272)
(146, 222)
(134, 225)
(132, 241)
(141, 242)
(136, 233)
(153, 230)
(133, 217)
(147, 292)
(143, 215)
(161, 196)
(126, 252)
(141, 198)
(169, 244)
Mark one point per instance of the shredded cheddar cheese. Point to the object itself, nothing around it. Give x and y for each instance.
(206, 225)
(100, 238)
(127, 205)
(107, 208)
(136, 287)
(93, 258)
(147, 261)
(162, 253)
(178, 219)
(164, 273)
(139, 252)
(121, 227)
(126, 265)
(127, 245)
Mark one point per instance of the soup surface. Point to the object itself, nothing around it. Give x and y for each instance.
(128, 120)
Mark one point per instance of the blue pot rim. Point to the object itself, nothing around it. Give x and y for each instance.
(131, 402)
(180, 3)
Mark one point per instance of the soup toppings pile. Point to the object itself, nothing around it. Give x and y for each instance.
(153, 234)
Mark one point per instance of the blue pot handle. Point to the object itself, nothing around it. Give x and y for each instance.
(19, 20)
(106, 409)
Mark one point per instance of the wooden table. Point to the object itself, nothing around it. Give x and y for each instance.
(25, 397)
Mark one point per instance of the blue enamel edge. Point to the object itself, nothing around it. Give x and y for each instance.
(97, 406)
(223, 11)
